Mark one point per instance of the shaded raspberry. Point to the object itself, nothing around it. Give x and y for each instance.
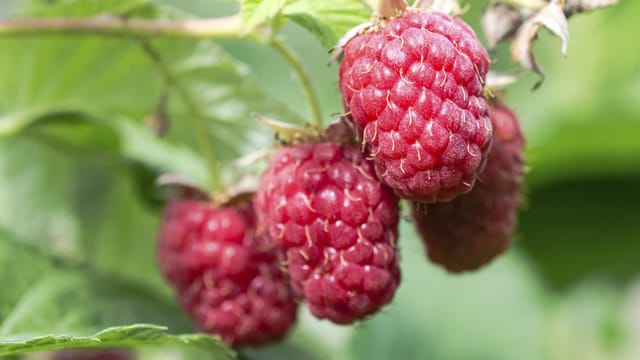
(413, 88)
(338, 224)
(471, 230)
(94, 354)
(226, 277)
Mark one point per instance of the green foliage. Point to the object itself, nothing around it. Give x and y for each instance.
(50, 295)
(256, 12)
(78, 208)
(123, 336)
(327, 20)
(78, 165)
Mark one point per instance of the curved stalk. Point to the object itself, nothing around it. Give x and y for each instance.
(303, 77)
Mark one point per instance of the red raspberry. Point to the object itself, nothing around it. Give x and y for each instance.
(94, 354)
(338, 224)
(225, 276)
(471, 230)
(413, 88)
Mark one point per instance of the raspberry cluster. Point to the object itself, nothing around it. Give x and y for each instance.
(326, 208)
(323, 204)
(226, 277)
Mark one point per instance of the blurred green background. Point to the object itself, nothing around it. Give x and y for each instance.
(78, 187)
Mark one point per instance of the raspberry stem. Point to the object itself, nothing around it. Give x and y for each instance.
(303, 77)
(198, 121)
(215, 28)
(529, 4)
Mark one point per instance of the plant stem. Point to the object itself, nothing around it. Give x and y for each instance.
(196, 118)
(303, 77)
(218, 28)
(530, 4)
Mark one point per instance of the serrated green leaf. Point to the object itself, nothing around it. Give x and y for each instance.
(259, 12)
(120, 336)
(72, 75)
(327, 20)
(56, 295)
(226, 96)
(53, 302)
(102, 76)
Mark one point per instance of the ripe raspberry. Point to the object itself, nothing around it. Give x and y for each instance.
(472, 229)
(338, 224)
(413, 88)
(94, 354)
(225, 276)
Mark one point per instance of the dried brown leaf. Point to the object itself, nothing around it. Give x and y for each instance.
(551, 17)
(572, 7)
(499, 22)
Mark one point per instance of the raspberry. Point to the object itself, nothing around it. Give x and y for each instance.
(226, 277)
(338, 224)
(471, 230)
(413, 89)
(94, 354)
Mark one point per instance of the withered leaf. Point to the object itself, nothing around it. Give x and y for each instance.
(551, 17)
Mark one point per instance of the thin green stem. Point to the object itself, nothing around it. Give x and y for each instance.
(198, 121)
(303, 77)
(530, 4)
(216, 28)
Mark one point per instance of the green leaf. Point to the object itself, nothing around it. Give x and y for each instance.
(259, 12)
(225, 95)
(35, 188)
(90, 206)
(104, 77)
(327, 20)
(51, 295)
(141, 146)
(84, 75)
(81, 133)
(120, 336)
